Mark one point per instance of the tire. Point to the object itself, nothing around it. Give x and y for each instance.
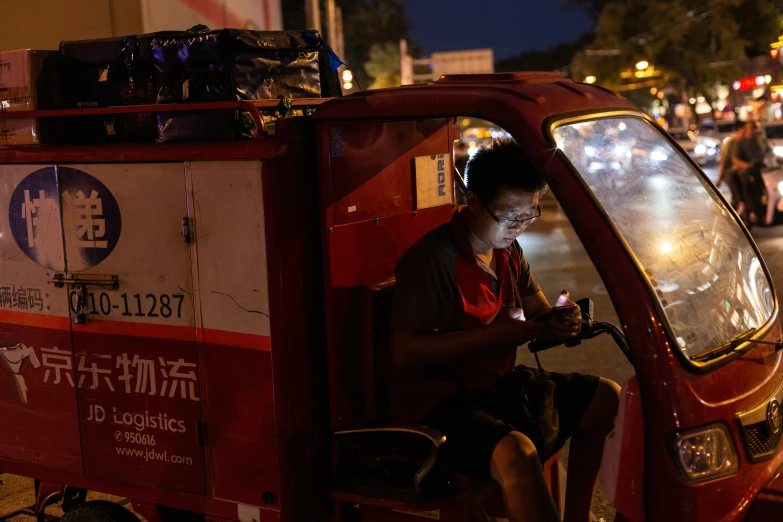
(99, 511)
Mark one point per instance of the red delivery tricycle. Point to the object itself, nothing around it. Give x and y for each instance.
(203, 327)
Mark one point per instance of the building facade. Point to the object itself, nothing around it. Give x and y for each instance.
(42, 24)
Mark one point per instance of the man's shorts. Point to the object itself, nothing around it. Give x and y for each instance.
(473, 427)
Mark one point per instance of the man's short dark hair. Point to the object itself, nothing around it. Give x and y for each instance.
(502, 165)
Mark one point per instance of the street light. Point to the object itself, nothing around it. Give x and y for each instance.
(590, 79)
(347, 80)
(640, 66)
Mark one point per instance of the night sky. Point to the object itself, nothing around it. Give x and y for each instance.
(507, 26)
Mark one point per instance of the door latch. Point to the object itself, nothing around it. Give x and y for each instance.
(59, 280)
(78, 298)
(79, 316)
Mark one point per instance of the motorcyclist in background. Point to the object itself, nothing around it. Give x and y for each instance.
(727, 171)
(748, 159)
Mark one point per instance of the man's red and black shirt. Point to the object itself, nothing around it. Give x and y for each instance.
(441, 287)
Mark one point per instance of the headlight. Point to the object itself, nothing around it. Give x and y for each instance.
(657, 155)
(700, 149)
(778, 151)
(711, 143)
(705, 453)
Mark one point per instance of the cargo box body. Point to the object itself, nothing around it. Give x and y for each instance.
(174, 384)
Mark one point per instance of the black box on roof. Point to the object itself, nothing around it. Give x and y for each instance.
(236, 64)
(191, 69)
(269, 64)
(106, 72)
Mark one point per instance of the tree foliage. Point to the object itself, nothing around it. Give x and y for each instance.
(592, 7)
(692, 43)
(366, 23)
(550, 59)
(384, 65)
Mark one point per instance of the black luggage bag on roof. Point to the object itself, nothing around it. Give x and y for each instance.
(191, 69)
(235, 64)
(106, 72)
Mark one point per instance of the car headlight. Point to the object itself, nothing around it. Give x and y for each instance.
(778, 151)
(711, 143)
(700, 149)
(705, 453)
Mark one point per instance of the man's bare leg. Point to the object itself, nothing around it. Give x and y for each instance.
(517, 468)
(587, 447)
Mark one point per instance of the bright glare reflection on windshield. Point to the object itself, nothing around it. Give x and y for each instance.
(698, 262)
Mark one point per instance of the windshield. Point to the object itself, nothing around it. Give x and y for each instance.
(700, 265)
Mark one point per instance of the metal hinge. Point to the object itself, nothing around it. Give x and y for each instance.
(186, 234)
(107, 281)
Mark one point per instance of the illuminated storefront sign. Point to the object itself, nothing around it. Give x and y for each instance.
(752, 82)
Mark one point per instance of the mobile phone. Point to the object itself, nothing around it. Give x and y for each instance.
(563, 299)
(553, 312)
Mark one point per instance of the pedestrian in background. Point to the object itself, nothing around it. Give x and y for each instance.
(748, 159)
(727, 172)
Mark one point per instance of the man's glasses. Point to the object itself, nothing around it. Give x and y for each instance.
(513, 223)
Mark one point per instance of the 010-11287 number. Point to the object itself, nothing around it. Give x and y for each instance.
(135, 305)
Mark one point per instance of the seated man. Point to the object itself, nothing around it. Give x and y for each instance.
(456, 328)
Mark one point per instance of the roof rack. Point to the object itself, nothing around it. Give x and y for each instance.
(250, 106)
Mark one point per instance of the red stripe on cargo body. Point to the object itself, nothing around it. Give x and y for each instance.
(52, 322)
(238, 339)
(157, 331)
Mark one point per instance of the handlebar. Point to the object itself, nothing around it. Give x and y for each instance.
(539, 345)
(588, 330)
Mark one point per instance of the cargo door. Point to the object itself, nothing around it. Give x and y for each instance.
(128, 274)
(37, 395)
(235, 332)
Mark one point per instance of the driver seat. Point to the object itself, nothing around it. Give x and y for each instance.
(386, 466)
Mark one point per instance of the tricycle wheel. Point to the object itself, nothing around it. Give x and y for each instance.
(99, 511)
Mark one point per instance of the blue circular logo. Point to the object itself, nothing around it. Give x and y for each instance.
(64, 219)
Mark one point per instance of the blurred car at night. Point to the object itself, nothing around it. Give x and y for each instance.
(720, 131)
(705, 150)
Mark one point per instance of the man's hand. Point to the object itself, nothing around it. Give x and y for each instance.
(568, 324)
(509, 327)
